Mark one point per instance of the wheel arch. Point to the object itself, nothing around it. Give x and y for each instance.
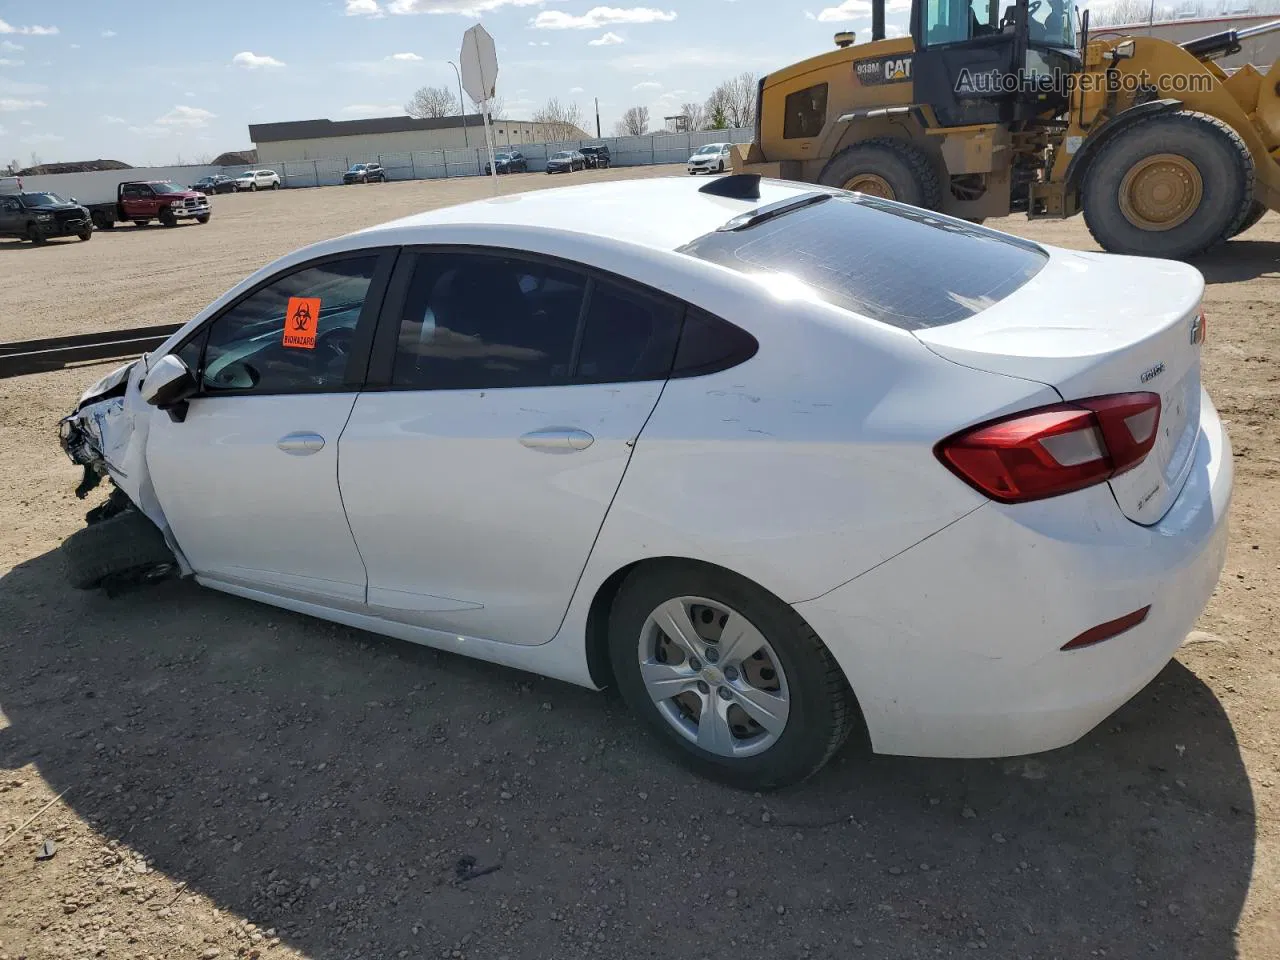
(1104, 134)
(596, 638)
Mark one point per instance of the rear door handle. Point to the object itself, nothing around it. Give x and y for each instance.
(558, 440)
(301, 444)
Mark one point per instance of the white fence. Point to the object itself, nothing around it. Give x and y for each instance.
(100, 186)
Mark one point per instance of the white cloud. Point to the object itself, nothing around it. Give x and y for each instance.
(42, 138)
(365, 110)
(108, 34)
(539, 43)
(108, 118)
(11, 106)
(254, 61)
(3, 131)
(4, 62)
(181, 116)
(75, 46)
(9, 45)
(151, 131)
(648, 85)
(598, 17)
(29, 31)
(466, 8)
(608, 40)
(412, 57)
(848, 10)
(577, 90)
(363, 8)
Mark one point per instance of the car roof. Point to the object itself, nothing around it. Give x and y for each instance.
(662, 213)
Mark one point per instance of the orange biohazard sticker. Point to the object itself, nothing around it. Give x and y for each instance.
(300, 322)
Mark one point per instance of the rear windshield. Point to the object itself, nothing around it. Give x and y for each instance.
(896, 264)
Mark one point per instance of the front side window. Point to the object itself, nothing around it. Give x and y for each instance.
(474, 321)
(806, 113)
(290, 336)
(953, 21)
(168, 188)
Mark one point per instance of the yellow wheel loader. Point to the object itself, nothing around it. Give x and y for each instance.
(990, 107)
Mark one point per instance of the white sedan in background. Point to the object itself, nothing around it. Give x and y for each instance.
(777, 483)
(712, 158)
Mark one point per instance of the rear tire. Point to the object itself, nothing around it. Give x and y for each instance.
(1172, 185)
(1256, 213)
(886, 167)
(820, 708)
(124, 548)
(275, 186)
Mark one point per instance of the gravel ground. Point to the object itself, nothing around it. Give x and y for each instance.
(223, 779)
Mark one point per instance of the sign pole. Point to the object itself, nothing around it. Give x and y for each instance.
(488, 138)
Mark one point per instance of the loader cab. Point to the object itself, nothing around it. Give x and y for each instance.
(993, 61)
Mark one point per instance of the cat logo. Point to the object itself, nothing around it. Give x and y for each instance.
(883, 70)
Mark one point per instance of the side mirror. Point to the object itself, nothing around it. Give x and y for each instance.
(168, 385)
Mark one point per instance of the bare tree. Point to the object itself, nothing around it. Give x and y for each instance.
(696, 113)
(14, 166)
(636, 121)
(562, 121)
(497, 107)
(432, 102)
(204, 159)
(735, 99)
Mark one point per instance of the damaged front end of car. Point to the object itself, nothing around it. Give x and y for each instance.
(126, 540)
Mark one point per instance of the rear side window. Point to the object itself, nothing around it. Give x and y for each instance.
(869, 256)
(474, 321)
(806, 113)
(709, 345)
(629, 335)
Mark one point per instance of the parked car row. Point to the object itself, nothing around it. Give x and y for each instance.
(249, 180)
(41, 215)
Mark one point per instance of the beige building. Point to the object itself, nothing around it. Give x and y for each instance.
(342, 139)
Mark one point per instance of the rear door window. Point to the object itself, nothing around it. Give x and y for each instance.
(901, 265)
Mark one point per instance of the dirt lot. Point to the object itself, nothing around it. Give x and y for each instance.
(230, 780)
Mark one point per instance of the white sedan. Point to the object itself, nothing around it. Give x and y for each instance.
(712, 158)
(782, 463)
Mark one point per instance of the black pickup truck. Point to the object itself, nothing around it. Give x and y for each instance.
(38, 215)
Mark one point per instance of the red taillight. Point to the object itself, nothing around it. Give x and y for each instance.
(1056, 449)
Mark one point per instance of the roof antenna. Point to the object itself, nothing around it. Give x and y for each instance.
(736, 186)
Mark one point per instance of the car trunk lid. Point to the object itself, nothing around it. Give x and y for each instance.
(1102, 324)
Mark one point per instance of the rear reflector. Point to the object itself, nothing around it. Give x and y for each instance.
(1055, 449)
(1105, 631)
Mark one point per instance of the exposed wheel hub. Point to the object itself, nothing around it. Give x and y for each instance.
(1161, 192)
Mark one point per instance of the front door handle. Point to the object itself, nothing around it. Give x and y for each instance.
(558, 440)
(301, 444)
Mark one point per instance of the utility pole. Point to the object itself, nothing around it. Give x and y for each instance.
(462, 104)
(597, 118)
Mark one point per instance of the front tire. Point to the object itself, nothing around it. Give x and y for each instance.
(204, 218)
(37, 238)
(253, 188)
(86, 235)
(888, 168)
(1256, 213)
(123, 548)
(729, 677)
(167, 219)
(1172, 185)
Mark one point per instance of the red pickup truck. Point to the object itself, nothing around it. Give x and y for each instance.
(144, 201)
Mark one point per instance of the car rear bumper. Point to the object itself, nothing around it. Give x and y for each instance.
(954, 646)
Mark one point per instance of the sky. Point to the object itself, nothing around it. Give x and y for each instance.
(164, 81)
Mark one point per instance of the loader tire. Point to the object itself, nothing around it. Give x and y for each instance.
(1256, 213)
(886, 167)
(1172, 185)
(121, 548)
